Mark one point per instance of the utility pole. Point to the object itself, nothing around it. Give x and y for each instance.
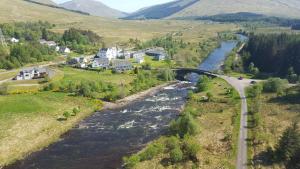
(2, 39)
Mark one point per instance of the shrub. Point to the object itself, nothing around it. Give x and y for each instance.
(202, 83)
(191, 148)
(254, 91)
(67, 114)
(172, 142)
(131, 161)
(274, 85)
(151, 151)
(166, 75)
(184, 125)
(176, 155)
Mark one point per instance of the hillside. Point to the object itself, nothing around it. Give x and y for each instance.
(93, 7)
(48, 2)
(21, 11)
(196, 8)
(162, 10)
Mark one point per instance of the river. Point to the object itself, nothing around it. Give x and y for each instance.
(101, 140)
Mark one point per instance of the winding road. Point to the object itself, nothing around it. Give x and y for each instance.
(240, 85)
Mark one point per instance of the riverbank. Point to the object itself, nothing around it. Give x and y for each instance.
(23, 134)
(218, 121)
(134, 97)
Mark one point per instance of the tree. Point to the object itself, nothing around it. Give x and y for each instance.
(274, 85)
(289, 143)
(202, 83)
(292, 76)
(252, 69)
(184, 125)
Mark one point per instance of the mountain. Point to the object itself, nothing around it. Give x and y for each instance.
(196, 8)
(162, 10)
(93, 7)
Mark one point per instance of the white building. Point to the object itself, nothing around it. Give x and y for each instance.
(31, 73)
(109, 53)
(14, 40)
(48, 43)
(100, 63)
(64, 50)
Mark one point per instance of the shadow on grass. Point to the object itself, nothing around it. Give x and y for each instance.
(265, 158)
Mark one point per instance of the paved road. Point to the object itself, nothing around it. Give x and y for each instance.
(240, 85)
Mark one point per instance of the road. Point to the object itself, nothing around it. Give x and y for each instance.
(240, 85)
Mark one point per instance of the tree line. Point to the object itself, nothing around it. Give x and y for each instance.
(277, 54)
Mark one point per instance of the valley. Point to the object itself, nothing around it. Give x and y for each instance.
(180, 84)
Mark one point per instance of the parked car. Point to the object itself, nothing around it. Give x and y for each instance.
(240, 78)
(253, 82)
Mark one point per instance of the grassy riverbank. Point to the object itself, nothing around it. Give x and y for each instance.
(30, 122)
(214, 146)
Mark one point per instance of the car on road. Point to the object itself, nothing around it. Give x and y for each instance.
(240, 78)
(253, 82)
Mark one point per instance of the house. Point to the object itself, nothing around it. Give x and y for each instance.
(157, 54)
(48, 43)
(14, 40)
(100, 63)
(110, 53)
(121, 65)
(64, 50)
(138, 54)
(123, 54)
(31, 73)
(80, 62)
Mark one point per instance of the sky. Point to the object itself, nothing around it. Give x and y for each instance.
(127, 5)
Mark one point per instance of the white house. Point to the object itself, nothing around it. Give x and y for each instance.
(64, 50)
(100, 63)
(138, 54)
(110, 53)
(14, 40)
(48, 43)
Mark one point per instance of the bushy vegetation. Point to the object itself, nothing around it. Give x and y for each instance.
(81, 41)
(184, 125)
(166, 75)
(273, 53)
(143, 81)
(29, 50)
(275, 85)
(251, 18)
(203, 83)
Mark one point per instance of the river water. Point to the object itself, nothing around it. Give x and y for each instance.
(101, 140)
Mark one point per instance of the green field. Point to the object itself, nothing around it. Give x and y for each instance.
(29, 121)
(274, 115)
(77, 75)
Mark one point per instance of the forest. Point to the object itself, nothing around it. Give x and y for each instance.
(251, 17)
(277, 54)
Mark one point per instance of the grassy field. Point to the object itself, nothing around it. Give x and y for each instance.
(274, 116)
(113, 30)
(7, 75)
(29, 121)
(73, 74)
(219, 126)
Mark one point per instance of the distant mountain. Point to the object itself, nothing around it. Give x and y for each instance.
(198, 8)
(93, 7)
(162, 10)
